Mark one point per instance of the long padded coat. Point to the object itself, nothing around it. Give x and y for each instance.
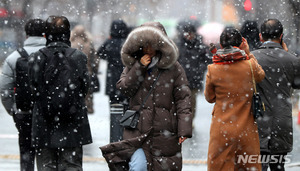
(166, 114)
(233, 131)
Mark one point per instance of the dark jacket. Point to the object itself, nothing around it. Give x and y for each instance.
(193, 56)
(110, 50)
(166, 114)
(282, 71)
(65, 130)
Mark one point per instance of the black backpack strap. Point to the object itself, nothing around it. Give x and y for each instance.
(47, 52)
(70, 51)
(23, 52)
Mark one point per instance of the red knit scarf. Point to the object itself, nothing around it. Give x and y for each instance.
(229, 58)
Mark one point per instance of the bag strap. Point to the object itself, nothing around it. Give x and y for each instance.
(253, 80)
(68, 52)
(153, 85)
(23, 52)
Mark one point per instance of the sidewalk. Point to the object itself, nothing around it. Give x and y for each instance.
(11, 163)
(194, 150)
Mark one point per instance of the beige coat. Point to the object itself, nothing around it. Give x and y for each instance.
(233, 131)
(81, 40)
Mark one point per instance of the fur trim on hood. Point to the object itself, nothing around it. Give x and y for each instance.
(149, 34)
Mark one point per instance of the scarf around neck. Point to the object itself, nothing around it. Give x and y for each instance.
(229, 56)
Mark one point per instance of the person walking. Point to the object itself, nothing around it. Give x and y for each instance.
(282, 76)
(194, 58)
(59, 79)
(34, 29)
(110, 51)
(81, 40)
(150, 59)
(233, 132)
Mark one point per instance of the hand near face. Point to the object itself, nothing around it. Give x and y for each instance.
(145, 60)
(284, 46)
(244, 46)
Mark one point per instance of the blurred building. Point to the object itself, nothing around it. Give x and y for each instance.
(96, 15)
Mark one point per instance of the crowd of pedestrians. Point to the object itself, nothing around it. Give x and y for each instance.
(48, 85)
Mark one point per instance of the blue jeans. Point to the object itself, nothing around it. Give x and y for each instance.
(138, 161)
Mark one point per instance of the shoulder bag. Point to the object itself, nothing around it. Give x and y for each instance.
(258, 106)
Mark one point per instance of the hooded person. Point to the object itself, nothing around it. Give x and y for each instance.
(110, 51)
(193, 56)
(165, 118)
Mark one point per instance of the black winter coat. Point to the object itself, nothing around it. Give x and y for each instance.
(110, 50)
(194, 58)
(65, 130)
(282, 71)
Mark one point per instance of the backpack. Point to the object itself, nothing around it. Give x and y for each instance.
(23, 93)
(60, 85)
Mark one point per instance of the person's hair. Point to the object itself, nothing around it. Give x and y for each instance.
(271, 29)
(57, 25)
(250, 31)
(230, 37)
(58, 29)
(35, 27)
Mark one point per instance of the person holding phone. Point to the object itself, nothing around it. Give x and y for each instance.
(233, 132)
(282, 76)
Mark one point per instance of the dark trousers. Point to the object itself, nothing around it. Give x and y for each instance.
(278, 166)
(59, 159)
(23, 123)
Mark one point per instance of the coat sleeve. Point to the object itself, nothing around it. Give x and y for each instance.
(209, 92)
(296, 82)
(259, 73)
(131, 78)
(102, 52)
(7, 87)
(85, 78)
(182, 97)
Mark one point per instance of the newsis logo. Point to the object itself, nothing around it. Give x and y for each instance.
(263, 159)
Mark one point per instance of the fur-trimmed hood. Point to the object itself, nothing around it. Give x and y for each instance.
(150, 33)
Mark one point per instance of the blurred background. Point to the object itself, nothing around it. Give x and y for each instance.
(96, 16)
